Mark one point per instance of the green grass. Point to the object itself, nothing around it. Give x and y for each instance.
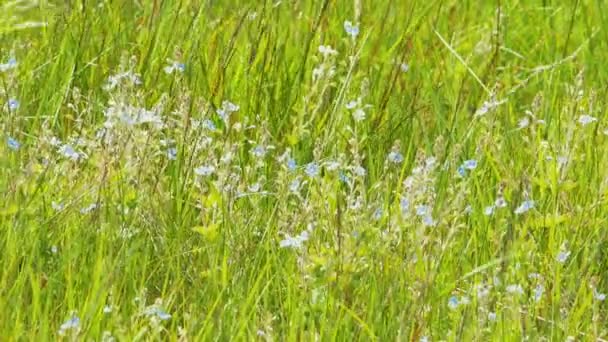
(103, 222)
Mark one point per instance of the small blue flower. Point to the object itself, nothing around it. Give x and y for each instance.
(343, 177)
(470, 164)
(453, 302)
(428, 221)
(461, 171)
(524, 207)
(404, 203)
(172, 153)
(181, 67)
(312, 169)
(13, 144)
(422, 210)
(378, 214)
(351, 30)
(291, 164)
(13, 104)
(259, 151)
(538, 293)
(395, 157)
(208, 124)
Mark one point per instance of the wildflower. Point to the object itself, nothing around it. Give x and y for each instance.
(295, 241)
(327, 51)
(291, 164)
(13, 144)
(174, 66)
(88, 208)
(294, 186)
(461, 171)
(395, 157)
(422, 210)
(172, 153)
(208, 124)
(500, 202)
(524, 207)
(404, 203)
(13, 104)
(470, 164)
(489, 210)
(599, 296)
(107, 309)
(73, 323)
(158, 312)
(57, 206)
(586, 119)
(359, 115)
(343, 177)
(483, 291)
(453, 302)
(404, 67)
(332, 166)
(255, 187)
(259, 151)
(523, 123)
(562, 256)
(351, 30)
(492, 316)
(204, 170)
(515, 289)
(312, 169)
(352, 104)
(360, 171)
(378, 214)
(538, 292)
(227, 109)
(10, 64)
(428, 221)
(54, 249)
(69, 152)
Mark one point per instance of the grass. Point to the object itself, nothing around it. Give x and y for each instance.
(203, 170)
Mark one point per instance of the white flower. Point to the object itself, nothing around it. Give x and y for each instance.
(489, 211)
(523, 123)
(295, 241)
(10, 64)
(395, 157)
(586, 119)
(351, 30)
(524, 207)
(352, 104)
(359, 171)
(470, 164)
(599, 296)
(359, 115)
(404, 67)
(562, 256)
(71, 324)
(515, 289)
(327, 51)
(538, 292)
(204, 170)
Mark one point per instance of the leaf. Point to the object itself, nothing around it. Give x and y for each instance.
(210, 232)
(11, 210)
(549, 221)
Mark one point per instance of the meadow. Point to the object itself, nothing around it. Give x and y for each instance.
(303, 170)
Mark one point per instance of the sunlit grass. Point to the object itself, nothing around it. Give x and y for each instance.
(303, 170)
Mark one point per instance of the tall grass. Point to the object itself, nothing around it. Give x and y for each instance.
(303, 170)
